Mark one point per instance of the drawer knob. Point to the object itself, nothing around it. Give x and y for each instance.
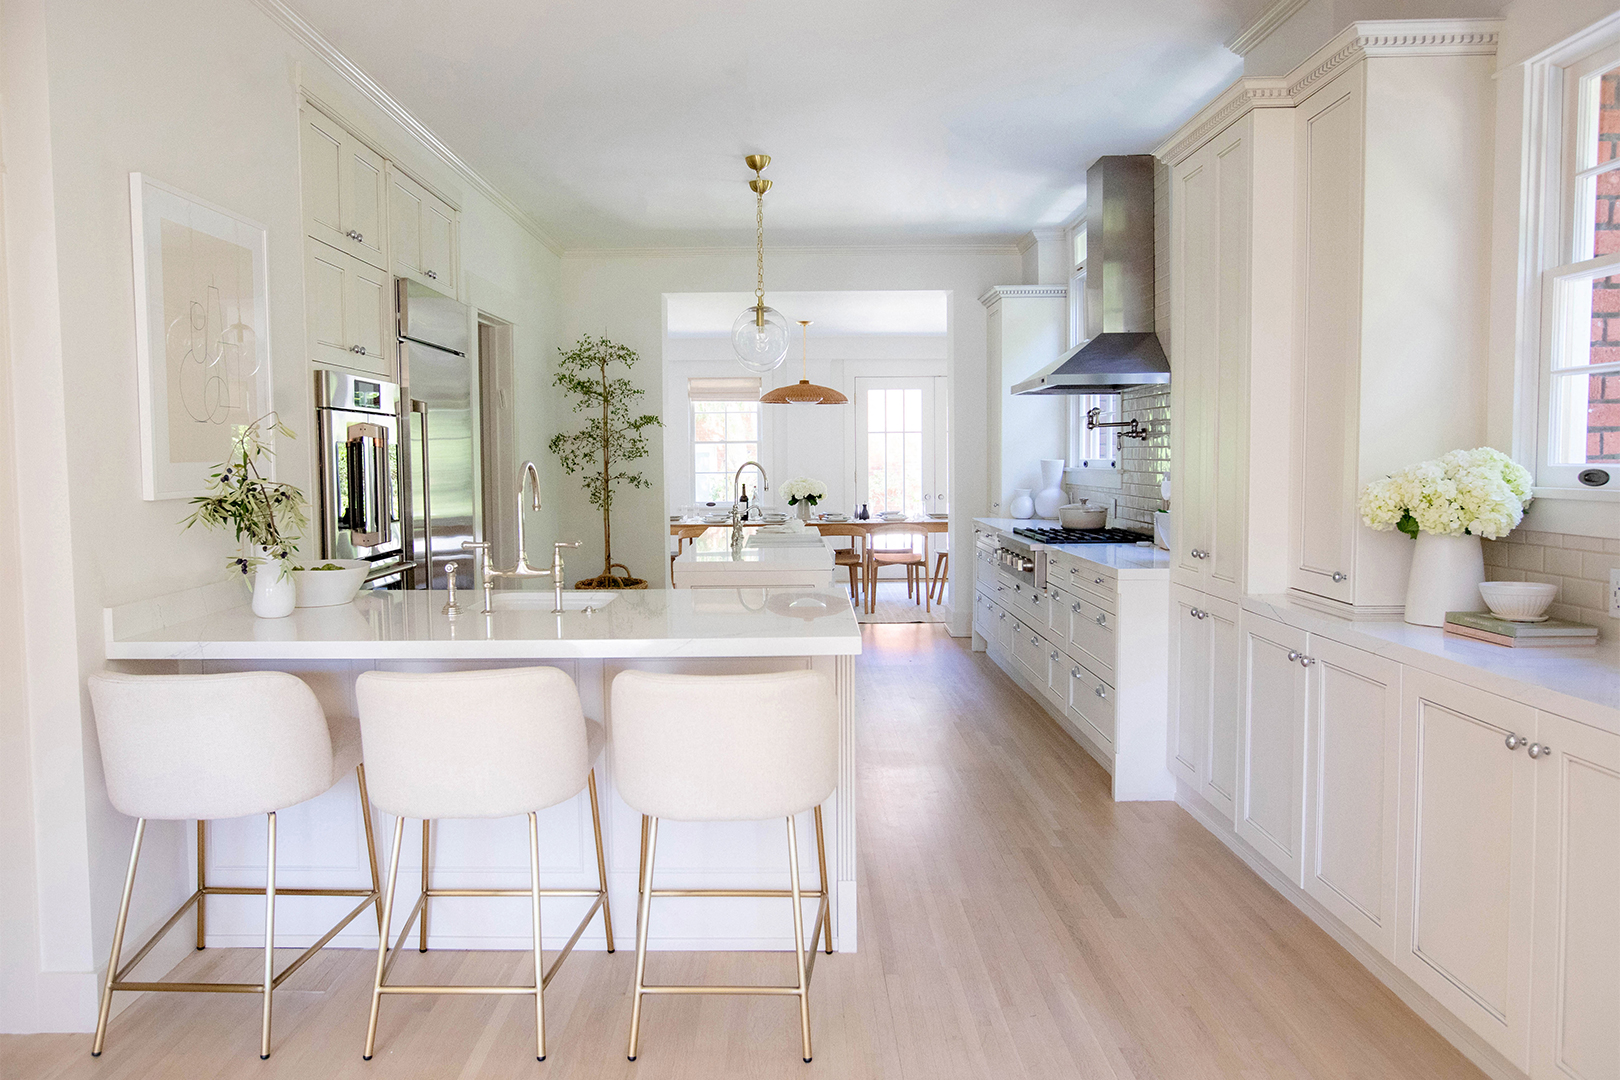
(431, 274)
(1075, 608)
(1292, 656)
(1340, 575)
(1539, 750)
(1306, 661)
(1514, 741)
(1097, 580)
(1054, 658)
(1033, 640)
(1100, 692)
(1102, 620)
(1074, 673)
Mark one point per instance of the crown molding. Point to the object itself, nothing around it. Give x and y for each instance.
(1274, 16)
(317, 43)
(739, 251)
(1358, 41)
(1041, 234)
(995, 294)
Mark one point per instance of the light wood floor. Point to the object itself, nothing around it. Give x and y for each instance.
(1014, 923)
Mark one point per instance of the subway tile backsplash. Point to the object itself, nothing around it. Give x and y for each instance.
(1578, 565)
(1143, 463)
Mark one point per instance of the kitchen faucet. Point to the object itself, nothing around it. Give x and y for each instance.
(527, 475)
(738, 515)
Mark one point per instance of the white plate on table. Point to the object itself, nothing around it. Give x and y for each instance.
(834, 517)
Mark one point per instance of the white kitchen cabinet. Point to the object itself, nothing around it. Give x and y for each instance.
(348, 311)
(345, 189)
(1380, 350)
(1204, 695)
(1466, 876)
(1352, 787)
(422, 234)
(1576, 984)
(1270, 807)
(1090, 704)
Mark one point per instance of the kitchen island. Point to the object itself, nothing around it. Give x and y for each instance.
(771, 557)
(700, 631)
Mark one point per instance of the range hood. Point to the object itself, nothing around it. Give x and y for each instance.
(1123, 351)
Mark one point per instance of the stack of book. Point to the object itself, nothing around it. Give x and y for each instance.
(1551, 633)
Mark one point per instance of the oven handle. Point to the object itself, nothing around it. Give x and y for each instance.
(420, 408)
(366, 459)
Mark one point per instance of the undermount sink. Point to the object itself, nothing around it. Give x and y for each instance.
(543, 601)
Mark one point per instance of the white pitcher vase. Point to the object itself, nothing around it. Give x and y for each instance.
(1050, 497)
(274, 593)
(1446, 573)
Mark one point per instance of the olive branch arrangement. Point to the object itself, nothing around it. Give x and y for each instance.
(611, 437)
(268, 513)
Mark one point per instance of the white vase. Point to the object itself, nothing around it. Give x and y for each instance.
(1022, 506)
(274, 594)
(1051, 496)
(1446, 572)
(805, 510)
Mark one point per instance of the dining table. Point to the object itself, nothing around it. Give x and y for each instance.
(927, 525)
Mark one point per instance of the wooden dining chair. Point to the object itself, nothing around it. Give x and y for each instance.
(853, 556)
(683, 534)
(942, 569)
(915, 562)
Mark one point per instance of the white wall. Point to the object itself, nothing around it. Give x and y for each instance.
(620, 295)
(207, 102)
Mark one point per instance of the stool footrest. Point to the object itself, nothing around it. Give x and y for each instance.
(525, 893)
(775, 991)
(786, 894)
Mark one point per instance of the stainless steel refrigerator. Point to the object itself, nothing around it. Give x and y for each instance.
(441, 383)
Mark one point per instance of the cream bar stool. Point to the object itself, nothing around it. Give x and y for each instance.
(479, 744)
(184, 747)
(676, 756)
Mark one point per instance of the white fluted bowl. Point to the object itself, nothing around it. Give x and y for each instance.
(1518, 601)
(328, 588)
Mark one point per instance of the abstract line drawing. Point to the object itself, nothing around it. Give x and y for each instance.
(202, 337)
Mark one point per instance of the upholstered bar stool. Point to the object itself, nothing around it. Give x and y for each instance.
(676, 756)
(478, 744)
(184, 747)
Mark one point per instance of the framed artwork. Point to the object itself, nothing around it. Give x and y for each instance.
(202, 333)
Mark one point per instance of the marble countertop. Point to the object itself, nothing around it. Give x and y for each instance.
(1578, 683)
(215, 622)
(1124, 560)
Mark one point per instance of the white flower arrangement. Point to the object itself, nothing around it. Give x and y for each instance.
(1479, 492)
(803, 489)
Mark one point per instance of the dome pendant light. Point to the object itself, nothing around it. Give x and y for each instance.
(804, 392)
(760, 334)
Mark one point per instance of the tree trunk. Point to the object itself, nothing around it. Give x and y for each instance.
(607, 492)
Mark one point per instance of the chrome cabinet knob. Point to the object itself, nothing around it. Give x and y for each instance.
(1101, 692)
(1033, 640)
(1292, 656)
(1539, 750)
(1074, 673)
(1306, 661)
(1075, 608)
(431, 274)
(1514, 741)
(1097, 580)
(1102, 620)
(1054, 658)
(1340, 575)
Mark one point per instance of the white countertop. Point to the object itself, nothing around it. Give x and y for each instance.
(1125, 560)
(1578, 683)
(216, 623)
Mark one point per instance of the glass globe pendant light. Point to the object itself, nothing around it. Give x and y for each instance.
(760, 334)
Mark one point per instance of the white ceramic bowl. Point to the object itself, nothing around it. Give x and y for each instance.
(328, 588)
(1081, 516)
(892, 515)
(1518, 601)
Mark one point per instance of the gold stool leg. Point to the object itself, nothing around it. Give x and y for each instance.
(821, 862)
(649, 832)
(798, 934)
(421, 945)
(202, 884)
(269, 936)
(601, 862)
(539, 958)
(371, 849)
(382, 935)
(118, 940)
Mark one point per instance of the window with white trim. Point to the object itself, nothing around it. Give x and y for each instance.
(1580, 385)
(1092, 449)
(725, 433)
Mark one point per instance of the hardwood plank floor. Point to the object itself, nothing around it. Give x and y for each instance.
(1014, 923)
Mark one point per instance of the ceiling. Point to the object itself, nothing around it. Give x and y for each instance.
(903, 122)
(831, 314)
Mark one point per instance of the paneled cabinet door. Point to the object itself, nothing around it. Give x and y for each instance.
(1352, 788)
(1576, 986)
(1270, 808)
(1191, 682)
(347, 311)
(422, 232)
(1463, 930)
(1328, 339)
(1195, 255)
(345, 190)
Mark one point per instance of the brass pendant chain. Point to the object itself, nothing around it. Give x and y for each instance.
(759, 225)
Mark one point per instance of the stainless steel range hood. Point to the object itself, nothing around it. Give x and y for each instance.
(1123, 351)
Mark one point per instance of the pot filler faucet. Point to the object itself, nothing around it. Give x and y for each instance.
(528, 477)
(740, 507)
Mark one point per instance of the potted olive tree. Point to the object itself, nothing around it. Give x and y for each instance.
(611, 438)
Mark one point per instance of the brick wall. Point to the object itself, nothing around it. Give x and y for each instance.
(1578, 565)
(1603, 392)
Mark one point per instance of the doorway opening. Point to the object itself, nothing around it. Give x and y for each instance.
(497, 374)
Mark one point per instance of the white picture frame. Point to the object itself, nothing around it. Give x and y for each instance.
(202, 334)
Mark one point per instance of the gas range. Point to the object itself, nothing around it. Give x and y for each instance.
(1084, 536)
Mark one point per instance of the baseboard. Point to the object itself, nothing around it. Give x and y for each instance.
(1430, 1011)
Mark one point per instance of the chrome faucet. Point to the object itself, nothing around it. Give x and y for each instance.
(738, 515)
(523, 569)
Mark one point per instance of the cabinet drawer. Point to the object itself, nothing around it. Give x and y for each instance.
(1089, 631)
(1028, 648)
(1029, 604)
(1088, 582)
(1091, 704)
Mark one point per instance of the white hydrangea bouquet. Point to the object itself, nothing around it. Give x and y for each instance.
(1479, 492)
(802, 489)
